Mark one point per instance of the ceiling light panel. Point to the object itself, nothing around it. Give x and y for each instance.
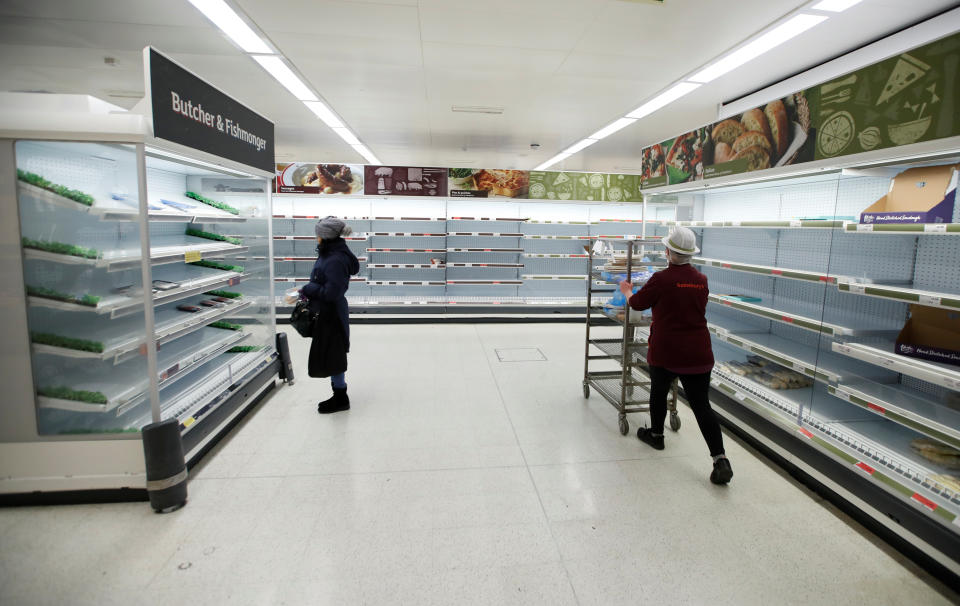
(775, 37)
(366, 153)
(345, 134)
(612, 128)
(558, 158)
(232, 25)
(835, 6)
(579, 145)
(285, 76)
(669, 96)
(324, 113)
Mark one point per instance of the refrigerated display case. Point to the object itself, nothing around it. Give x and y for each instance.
(137, 292)
(805, 306)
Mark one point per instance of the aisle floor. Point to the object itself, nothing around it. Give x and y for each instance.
(469, 471)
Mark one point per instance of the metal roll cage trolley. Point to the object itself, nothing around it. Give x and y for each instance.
(627, 389)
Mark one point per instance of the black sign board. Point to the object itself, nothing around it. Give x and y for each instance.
(188, 111)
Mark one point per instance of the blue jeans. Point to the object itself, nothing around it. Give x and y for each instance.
(339, 381)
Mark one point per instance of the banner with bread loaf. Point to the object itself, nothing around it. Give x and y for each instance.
(589, 187)
(313, 178)
(905, 99)
(778, 133)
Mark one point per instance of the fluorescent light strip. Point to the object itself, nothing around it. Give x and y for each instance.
(580, 145)
(668, 96)
(285, 76)
(324, 113)
(834, 6)
(232, 25)
(558, 158)
(366, 153)
(609, 130)
(344, 133)
(775, 37)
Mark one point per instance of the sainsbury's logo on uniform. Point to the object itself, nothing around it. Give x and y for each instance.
(689, 285)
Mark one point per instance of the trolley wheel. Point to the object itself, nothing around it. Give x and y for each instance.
(586, 390)
(674, 421)
(624, 426)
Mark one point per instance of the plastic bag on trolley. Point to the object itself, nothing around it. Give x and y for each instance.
(618, 300)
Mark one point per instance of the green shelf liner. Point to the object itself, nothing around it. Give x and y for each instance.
(71, 194)
(49, 293)
(244, 349)
(211, 236)
(65, 393)
(226, 294)
(43, 338)
(220, 266)
(61, 249)
(225, 325)
(213, 203)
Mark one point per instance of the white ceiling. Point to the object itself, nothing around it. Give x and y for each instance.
(561, 69)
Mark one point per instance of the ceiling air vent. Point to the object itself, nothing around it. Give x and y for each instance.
(476, 109)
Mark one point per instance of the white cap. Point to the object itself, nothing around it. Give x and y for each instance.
(681, 240)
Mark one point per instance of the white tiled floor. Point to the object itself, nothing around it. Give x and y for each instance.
(457, 479)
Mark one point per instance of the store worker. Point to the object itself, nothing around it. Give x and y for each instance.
(680, 345)
(326, 292)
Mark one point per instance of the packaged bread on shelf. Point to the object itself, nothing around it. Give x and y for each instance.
(937, 452)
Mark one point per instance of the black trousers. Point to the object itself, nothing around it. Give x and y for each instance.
(696, 388)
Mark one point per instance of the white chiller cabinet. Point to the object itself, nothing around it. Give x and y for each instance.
(137, 286)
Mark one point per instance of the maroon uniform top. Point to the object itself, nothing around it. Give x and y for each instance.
(679, 339)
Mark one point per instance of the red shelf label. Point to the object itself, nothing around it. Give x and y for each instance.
(865, 467)
(805, 432)
(925, 502)
(776, 272)
(786, 319)
(726, 265)
(879, 409)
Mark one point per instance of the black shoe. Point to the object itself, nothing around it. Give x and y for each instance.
(337, 403)
(645, 434)
(722, 472)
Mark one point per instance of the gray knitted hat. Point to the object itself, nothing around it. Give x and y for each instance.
(329, 228)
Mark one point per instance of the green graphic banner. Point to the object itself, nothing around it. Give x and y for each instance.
(589, 187)
(909, 98)
(902, 100)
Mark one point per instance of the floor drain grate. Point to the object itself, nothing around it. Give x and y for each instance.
(521, 354)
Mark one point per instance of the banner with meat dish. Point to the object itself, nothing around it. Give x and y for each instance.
(313, 178)
(404, 181)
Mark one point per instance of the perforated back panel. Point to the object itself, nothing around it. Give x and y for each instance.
(938, 263)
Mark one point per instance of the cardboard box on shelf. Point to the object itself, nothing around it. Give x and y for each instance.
(918, 195)
(931, 334)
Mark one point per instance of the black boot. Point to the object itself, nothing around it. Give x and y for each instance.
(337, 403)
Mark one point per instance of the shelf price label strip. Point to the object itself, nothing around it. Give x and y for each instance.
(890, 482)
(907, 295)
(860, 399)
(778, 316)
(904, 228)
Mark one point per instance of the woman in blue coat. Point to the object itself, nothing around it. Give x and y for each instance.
(326, 292)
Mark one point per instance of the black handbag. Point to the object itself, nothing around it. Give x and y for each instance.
(302, 319)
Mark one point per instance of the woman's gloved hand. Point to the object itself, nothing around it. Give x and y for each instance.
(626, 287)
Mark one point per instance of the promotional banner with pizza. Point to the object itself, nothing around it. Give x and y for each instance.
(905, 99)
(488, 183)
(313, 178)
(902, 100)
